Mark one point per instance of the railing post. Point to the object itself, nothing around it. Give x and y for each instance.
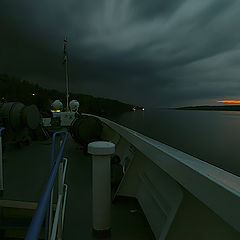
(57, 142)
(1, 163)
(37, 220)
(60, 192)
(101, 189)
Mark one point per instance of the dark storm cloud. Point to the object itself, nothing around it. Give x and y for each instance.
(147, 52)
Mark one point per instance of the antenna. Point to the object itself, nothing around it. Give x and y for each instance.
(65, 61)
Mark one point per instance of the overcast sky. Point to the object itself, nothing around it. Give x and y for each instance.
(155, 52)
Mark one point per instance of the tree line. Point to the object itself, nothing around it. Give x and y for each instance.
(13, 89)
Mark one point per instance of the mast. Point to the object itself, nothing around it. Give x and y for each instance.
(66, 72)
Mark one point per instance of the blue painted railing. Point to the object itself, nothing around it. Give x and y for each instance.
(1, 129)
(49, 210)
(36, 224)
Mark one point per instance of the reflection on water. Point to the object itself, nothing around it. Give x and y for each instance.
(209, 135)
(232, 114)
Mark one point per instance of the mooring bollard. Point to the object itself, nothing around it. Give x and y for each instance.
(101, 186)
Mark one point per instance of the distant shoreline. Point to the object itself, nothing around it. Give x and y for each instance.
(211, 108)
(16, 90)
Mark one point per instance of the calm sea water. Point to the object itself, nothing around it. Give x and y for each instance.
(211, 136)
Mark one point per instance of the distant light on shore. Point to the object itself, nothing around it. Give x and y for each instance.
(229, 101)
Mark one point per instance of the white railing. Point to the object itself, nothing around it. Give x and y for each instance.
(56, 227)
(53, 228)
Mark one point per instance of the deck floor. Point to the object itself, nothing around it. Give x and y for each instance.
(25, 174)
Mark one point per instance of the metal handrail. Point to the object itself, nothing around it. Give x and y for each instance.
(35, 226)
(59, 215)
(48, 224)
(61, 204)
(64, 202)
(53, 146)
(55, 223)
(1, 129)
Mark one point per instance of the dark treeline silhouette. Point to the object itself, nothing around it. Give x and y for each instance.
(13, 89)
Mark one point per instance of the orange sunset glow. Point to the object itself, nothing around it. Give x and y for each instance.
(229, 101)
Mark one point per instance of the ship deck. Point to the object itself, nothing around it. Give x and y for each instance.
(25, 174)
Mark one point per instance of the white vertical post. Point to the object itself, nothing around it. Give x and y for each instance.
(101, 189)
(1, 163)
(58, 143)
(50, 215)
(60, 192)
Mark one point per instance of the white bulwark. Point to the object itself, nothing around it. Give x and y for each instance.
(180, 195)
